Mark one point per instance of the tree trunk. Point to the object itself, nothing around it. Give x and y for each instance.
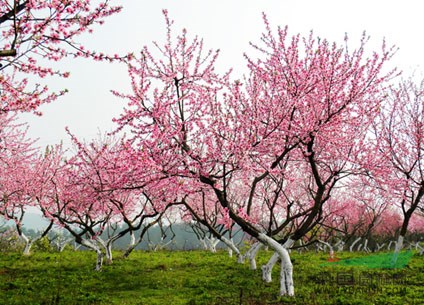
(99, 262)
(251, 254)
(318, 247)
(28, 244)
(109, 255)
(27, 249)
(418, 247)
(232, 247)
(330, 247)
(399, 243)
(267, 269)
(212, 242)
(96, 248)
(398, 247)
(340, 245)
(131, 245)
(203, 243)
(282, 253)
(107, 250)
(62, 246)
(354, 243)
(366, 249)
(128, 251)
(380, 246)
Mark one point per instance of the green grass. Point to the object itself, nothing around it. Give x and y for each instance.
(199, 277)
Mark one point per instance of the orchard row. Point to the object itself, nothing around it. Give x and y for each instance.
(316, 141)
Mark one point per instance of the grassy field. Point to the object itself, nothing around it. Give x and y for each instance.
(199, 277)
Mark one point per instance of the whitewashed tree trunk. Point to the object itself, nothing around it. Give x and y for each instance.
(109, 256)
(209, 243)
(339, 245)
(60, 243)
(379, 247)
(108, 244)
(318, 248)
(99, 262)
(286, 272)
(131, 245)
(63, 245)
(267, 269)
(232, 247)
(93, 246)
(27, 249)
(247, 253)
(365, 248)
(354, 243)
(398, 247)
(251, 254)
(151, 246)
(203, 243)
(399, 244)
(418, 247)
(107, 250)
(390, 244)
(132, 239)
(330, 247)
(28, 240)
(212, 242)
(159, 246)
(28, 244)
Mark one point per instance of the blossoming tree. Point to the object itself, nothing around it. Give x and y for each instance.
(19, 164)
(33, 34)
(305, 107)
(399, 139)
(36, 31)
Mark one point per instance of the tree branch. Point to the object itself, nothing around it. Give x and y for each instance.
(13, 12)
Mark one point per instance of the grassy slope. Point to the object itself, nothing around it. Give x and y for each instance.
(197, 277)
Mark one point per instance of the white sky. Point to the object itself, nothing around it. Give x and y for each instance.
(225, 24)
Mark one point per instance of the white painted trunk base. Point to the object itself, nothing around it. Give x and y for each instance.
(286, 271)
(232, 249)
(399, 244)
(353, 244)
(251, 254)
(267, 269)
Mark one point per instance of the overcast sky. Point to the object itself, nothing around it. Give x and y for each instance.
(227, 25)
